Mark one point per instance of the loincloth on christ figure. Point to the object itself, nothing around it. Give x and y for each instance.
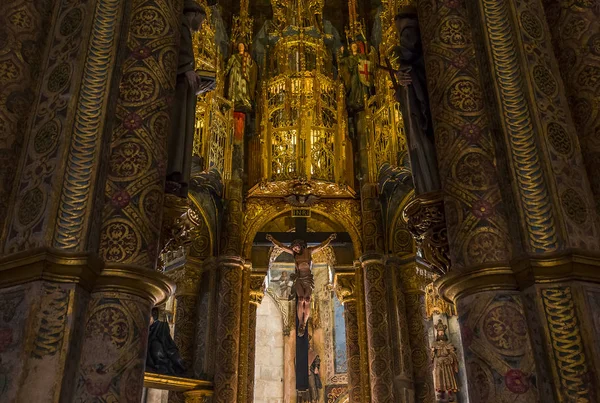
(305, 280)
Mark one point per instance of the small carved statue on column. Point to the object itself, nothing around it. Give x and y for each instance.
(163, 355)
(304, 282)
(412, 95)
(183, 117)
(445, 363)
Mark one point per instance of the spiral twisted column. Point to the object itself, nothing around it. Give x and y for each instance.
(578, 54)
(554, 199)
(114, 337)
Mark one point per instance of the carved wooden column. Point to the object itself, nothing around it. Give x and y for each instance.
(404, 385)
(575, 32)
(378, 334)
(187, 280)
(378, 331)
(257, 292)
(231, 268)
(345, 288)
(231, 273)
(414, 284)
(204, 354)
(244, 335)
(361, 313)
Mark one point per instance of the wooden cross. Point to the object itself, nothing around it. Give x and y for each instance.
(301, 233)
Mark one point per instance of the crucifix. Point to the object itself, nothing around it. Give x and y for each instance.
(298, 242)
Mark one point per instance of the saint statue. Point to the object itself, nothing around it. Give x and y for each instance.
(355, 72)
(163, 355)
(304, 282)
(445, 362)
(314, 377)
(183, 117)
(241, 72)
(411, 93)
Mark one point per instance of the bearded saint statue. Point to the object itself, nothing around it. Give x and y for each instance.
(445, 361)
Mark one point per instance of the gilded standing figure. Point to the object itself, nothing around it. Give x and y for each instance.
(241, 72)
(445, 361)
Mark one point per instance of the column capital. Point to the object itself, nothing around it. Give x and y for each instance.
(257, 287)
(86, 270)
(345, 285)
(413, 274)
(427, 224)
(176, 231)
(187, 278)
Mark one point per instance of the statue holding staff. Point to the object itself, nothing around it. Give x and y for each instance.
(183, 114)
(411, 93)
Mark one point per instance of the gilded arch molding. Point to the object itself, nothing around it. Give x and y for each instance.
(202, 237)
(260, 211)
(399, 240)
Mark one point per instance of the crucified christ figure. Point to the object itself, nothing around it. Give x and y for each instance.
(304, 283)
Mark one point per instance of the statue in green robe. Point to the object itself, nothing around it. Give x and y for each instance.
(355, 73)
(241, 72)
(183, 116)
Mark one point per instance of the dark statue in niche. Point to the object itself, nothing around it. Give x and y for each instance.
(314, 377)
(411, 93)
(183, 116)
(163, 355)
(304, 282)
